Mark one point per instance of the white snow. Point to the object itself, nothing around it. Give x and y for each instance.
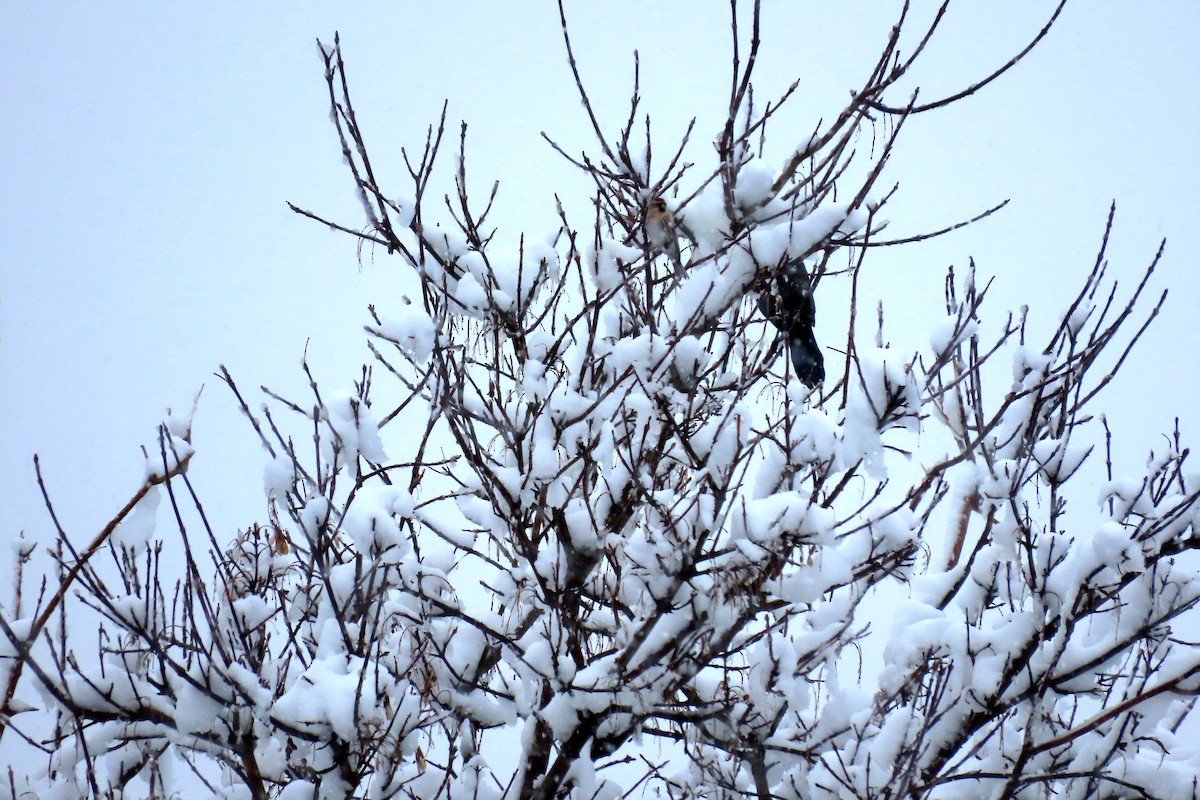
(137, 530)
(356, 429)
(411, 329)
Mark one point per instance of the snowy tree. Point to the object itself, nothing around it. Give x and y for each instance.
(580, 530)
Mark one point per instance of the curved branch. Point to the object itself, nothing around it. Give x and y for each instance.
(973, 88)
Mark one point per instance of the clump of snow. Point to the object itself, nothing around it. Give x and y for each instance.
(372, 521)
(821, 224)
(1060, 458)
(1129, 496)
(1029, 367)
(1115, 548)
(405, 211)
(335, 694)
(562, 715)
(179, 425)
(948, 333)
(21, 547)
(605, 263)
(711, 288)
(449, 242)
(195, 710)
(691, 357)
(816, 437)
(409, 328)
(885, 395)
(356, 429)
(770, 244)
(705, 217)
(516, 275)
(754, 182)
(766, 519)
(1078, 317)
(278, 476)
(470, 298)
(136, 531)
(252, 611)
(165, 460)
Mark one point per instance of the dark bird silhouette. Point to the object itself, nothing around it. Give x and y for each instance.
(787, 301)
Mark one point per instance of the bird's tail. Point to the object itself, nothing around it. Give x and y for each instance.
(806, 357)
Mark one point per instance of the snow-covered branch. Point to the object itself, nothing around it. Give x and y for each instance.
(607, 514)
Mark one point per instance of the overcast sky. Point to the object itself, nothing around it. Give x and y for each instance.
(149, 149)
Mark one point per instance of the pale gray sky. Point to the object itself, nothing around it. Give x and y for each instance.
(150, 148)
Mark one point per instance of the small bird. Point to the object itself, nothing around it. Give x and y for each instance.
(787, 302)
(662, 233)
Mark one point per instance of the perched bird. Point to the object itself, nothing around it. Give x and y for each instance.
(787, 301)
(662, 233)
